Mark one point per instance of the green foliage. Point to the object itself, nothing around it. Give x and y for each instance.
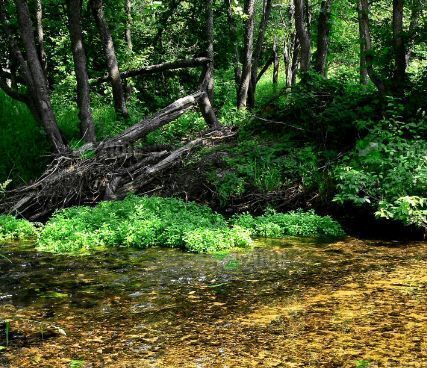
(140, 222)
(186, 126)
(387, 171)
(325, 111)
(298, 223)
(12, 229)
(213, 240)
(362, 363)
(264, 166)
(153, 221)
(3, 187)
(23, 144)
(77, 363)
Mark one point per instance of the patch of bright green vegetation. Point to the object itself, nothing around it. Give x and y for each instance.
(141, 222)
(153, 221)
(275, 225)
(362, 363)
(77, 363)
(12, 229)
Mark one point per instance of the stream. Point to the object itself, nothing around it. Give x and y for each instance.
(286, 303)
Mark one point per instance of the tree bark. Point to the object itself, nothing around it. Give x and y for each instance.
(265, 68)
(161, 118)
(87, 127)
(207, 111)
(399, 46)
(258, 50)
(210, 51)
(303, 36)
(289, 42)
(242, 96)
(367, 45)
(295, 61)
(363, 71)
(38, 79)
(323, 30)
(128, 32)
(158, 68)
(40, 36)
(233, 36)
(275, 63)
(110, 54)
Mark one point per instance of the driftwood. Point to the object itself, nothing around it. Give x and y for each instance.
(158, 68)
(112, 168)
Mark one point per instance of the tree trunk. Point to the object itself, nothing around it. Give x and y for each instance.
(363, 71)
(258, 50)
(295, 61)
(128, 33)
(87, 128)
(40, 36)
(399, 47)
(287, 62)
(323, 30)
(233, 37)
(242, 96)
(303, 36)
(38, 79)
(210, 51)
(265, 68)
(110, 53)
(367, 45)
(207, 111)
(275, 63)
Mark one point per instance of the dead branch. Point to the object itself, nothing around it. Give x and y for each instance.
(157, 68)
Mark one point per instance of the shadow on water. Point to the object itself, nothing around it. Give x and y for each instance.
(286, 303)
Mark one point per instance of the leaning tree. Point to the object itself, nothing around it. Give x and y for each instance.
(106, 169)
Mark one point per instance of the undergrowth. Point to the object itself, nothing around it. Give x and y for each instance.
(296, 223)
(154, 221)
(12, 229)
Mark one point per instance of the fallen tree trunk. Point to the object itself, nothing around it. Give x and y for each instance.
(157, 68)
(109, 170)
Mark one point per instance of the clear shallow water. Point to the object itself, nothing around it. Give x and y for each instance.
(287, 303)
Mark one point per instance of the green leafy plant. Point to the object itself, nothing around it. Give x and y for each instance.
(12, 229)
(154, 221)
(387, 171)
(140, 222)
(274, 225)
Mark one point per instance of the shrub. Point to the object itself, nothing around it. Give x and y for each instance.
(13, 229)
(153, 221)
(274, 225)
(209, 240)
(387, 171)
(140, 222)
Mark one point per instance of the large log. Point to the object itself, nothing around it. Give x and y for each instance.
(161, 118)
(158, 68)
(110, 169)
